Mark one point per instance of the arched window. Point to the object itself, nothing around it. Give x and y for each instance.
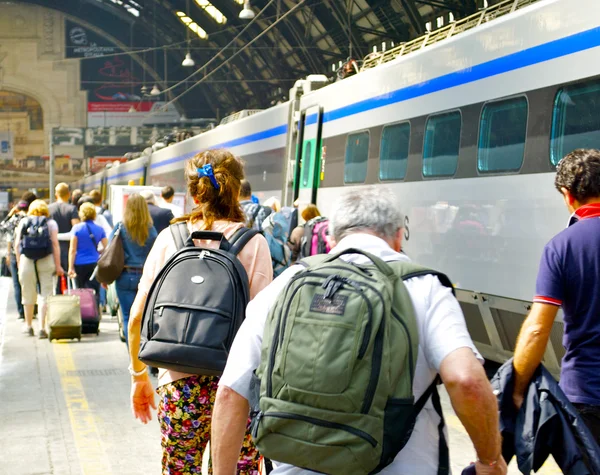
(15, 102)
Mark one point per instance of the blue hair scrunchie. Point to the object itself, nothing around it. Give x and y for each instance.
(207, 171)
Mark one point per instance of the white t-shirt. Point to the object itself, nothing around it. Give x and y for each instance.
(441, 327)
(176, 210)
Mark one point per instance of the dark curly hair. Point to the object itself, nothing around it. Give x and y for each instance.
(579, 172)
(213, 204)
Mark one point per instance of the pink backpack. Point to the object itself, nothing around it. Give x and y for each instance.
(316, 237)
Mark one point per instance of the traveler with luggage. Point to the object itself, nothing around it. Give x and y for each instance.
(255, 212)
(347, 339)
(569, 277)
(10, 226)
(197, 281)
(65, 215)
(38, 255)
(276, 232)
(137, 236)
(308, 214)
(83, 250)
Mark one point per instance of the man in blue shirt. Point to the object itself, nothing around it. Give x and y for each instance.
(569, 277)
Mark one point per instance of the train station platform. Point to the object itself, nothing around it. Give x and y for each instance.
(65, 407)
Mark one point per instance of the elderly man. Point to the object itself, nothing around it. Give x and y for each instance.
(161, 217)
(370, 221)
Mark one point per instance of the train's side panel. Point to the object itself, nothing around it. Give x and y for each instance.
(259, 140)
(122, 174)
(528, 53)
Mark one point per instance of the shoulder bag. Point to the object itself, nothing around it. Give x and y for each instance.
(112, 260)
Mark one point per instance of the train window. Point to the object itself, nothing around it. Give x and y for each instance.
(357, 156)
(442, 144)
(575, 119)
(306, 163)
(502, 133)
(394, 151)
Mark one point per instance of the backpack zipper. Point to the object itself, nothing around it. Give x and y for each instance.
(318, 422)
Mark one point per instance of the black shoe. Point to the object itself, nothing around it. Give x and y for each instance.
(153, 371)
(21, 316)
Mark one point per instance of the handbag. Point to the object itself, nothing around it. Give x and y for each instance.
(4, 268)
(112, 261)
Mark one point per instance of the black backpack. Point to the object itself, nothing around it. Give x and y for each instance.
(196, 304)
(35, 238)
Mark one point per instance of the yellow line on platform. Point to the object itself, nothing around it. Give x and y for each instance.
(92, 456)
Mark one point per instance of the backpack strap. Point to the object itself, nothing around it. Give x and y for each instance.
(432, 392)
(91, 233)
(240, 238)
(254, 215)
(180, 233)
(408, 270)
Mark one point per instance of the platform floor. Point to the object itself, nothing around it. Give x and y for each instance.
(64, 407)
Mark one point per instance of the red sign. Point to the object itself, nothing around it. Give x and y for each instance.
(120, 106)
(47, 157)
(98, 163)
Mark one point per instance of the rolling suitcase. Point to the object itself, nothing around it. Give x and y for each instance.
(90, 315)
(64, 317)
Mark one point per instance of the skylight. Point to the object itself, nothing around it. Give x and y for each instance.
(213, 11)
(192, 25)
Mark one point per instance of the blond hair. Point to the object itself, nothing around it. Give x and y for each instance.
(136, 219)
(87, 212)
(38, 208)
(273, 203)
(62, 191)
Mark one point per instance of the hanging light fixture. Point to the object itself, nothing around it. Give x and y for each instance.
(247, 13)
(155, 91)
(144, 90)
(188, 62)
(132, 109)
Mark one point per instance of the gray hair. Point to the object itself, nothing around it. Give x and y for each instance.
(148, 195)
(373, 209)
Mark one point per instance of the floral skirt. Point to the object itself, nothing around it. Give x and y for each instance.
(184, 413)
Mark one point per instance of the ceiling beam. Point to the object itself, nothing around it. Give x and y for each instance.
(413, 15)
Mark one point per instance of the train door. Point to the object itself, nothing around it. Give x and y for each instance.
(308, 157)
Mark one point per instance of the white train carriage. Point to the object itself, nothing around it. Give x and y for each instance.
(466, 131)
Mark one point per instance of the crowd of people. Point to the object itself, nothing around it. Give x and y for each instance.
(344, 340)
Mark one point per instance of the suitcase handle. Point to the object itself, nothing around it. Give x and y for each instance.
(71, 284)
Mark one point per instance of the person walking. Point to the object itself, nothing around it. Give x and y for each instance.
(161, 217)
(168, 194)
(569, 277)
(295, 240)
(186, 400)
(369, 222)
(83, 249)
(138, 236)
(14, 218)
(38, 254)
(254, 211)
(65, 215)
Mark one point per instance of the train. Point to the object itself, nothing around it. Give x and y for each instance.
(465, 126)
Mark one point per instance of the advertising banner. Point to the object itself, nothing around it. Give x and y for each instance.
(6, 145)
(113, 82)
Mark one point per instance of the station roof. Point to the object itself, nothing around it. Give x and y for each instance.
(298, 38)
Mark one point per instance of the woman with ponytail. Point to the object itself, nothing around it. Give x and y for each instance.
(185, 400)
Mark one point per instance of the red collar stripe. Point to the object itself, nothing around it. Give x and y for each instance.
(550, 300)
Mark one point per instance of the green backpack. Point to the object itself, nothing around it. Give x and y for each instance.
(338, 359)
